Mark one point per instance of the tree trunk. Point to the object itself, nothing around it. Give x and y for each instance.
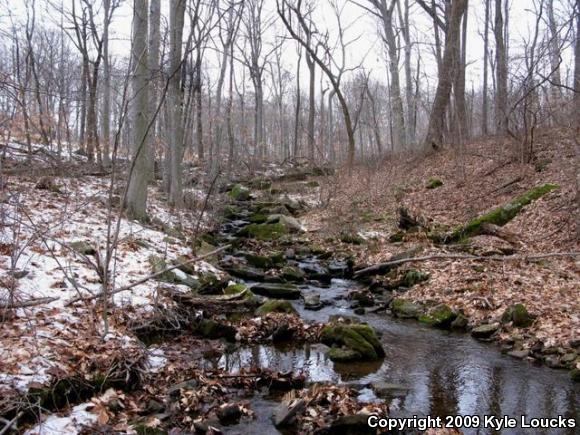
(198, 106)
(435, 131)
(298, 106)
(136, 200)
(175, 100)
(501, 112)
(484, 105)
(554, 62)
(311, 106)
(154, 69)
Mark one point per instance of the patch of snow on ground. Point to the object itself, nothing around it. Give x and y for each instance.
(71, 424)
(156, 359)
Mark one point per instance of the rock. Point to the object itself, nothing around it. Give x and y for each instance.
(283, 333)
(316, 272)
(285, 414)
(359, 338)
(518, 314)
(484, 331)
(83, 247)
(277, 291)
(405, 309)
(245, 272)
(575, 375)
(351, 238)
(413, 277)
(293, 274)
(173, 392)
(229, 414)
(460, 323)
(18, 274)
(342, 355)
(434, 183)
(363, 297)
(276, 306)
(263, 231)
(260, 261)
(440, 316)
(553, 361)
(291, 224)
(312, 302)
(359, 311)
(258, 218)
(240, 193)
(519, 354)
(350, 425)
(389, 390)
(211, 329)
(47, 183)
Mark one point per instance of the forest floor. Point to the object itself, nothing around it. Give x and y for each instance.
(58, 366)
(487, 176)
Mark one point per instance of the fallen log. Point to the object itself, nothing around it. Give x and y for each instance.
(498, 216)
(28, 303)
(382, 268)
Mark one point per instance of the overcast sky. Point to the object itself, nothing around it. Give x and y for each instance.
(368, 49)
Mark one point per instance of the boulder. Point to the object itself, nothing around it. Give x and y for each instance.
(245, 272)
(283, 333)
(277, 291)
(293, 274)
(518, 314)
(276, 306)
(229, 414)
(460, 323)
(357, 339)
(291, 224)
(239, 193)
(484, 331)
(405, 309)
(263, 231)
(83, 247)
(440, 316)
(285, 414)
(316, 271)
(312, 302)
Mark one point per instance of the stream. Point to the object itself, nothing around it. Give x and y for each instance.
(426, 371)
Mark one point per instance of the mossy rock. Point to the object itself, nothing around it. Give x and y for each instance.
(351, 238)
(575, 375)
(434, 183)
(460, 323)
(83, 247)
(258, 218)
(313, 183)
(209, 328)
(263, 231)
(440, 316)
(259, 261)
(211, 284)
(239, 193)
(484, 331)
(397, 237)
(293, 274)
(413, 277)
(501, 215)
(357, 338)
(158, 264)
(276, 306)
(342, 355)
(518, 314)
(232, 212)
(277, 291)
(234, 289)
(405, 309)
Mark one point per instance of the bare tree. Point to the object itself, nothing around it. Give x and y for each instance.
(501, 109)
(136, 197)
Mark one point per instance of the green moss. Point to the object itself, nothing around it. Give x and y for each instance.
(575, 375)
(234, 289)
(352, 238)
(413, 277)
(342, 355)
(240, 193)
(157, 265)
(501, 215)
(260, 261)
(313, 183)
(518, 314)
(357, 339)
(276, 306)
(405, 309)
(291, 273)
(258, 218)
(440, 316)
(264, 231)
(434, 183)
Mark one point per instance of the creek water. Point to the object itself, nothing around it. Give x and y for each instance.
(427, 371)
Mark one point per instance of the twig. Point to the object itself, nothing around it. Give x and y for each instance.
(148, 277)
(10, 423)
(29, 303)
(384, 267)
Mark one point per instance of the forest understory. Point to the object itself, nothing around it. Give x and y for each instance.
(265, 242)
